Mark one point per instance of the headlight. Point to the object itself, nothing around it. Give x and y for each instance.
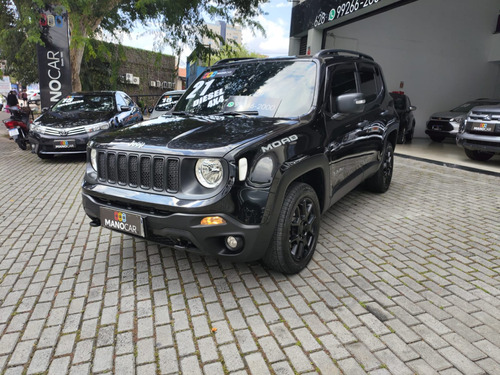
(37, 128)
(209, 172)
(93, 158)
(96, 127)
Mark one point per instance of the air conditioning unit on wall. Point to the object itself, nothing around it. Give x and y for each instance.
(129, 77)
(136, 80)
(152, 84)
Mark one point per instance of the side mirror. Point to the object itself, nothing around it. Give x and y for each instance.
(124, 108)
(351, 103)
(45, 109)
(412, 108)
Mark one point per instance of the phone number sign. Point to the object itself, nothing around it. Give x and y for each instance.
(315, 13)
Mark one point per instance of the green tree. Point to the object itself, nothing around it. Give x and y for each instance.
(231, 50)
(181, 22)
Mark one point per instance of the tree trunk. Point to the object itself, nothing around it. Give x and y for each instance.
(76, 56)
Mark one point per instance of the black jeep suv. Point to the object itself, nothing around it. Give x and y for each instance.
(480, 134)
(252, 154)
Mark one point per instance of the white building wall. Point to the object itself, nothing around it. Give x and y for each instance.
(438, 49)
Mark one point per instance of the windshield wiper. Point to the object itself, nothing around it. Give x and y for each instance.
(239, 113)
(182, 113)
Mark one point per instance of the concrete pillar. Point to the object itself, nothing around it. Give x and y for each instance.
(314, 39)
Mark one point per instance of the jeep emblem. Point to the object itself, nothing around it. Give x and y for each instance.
(136, 144)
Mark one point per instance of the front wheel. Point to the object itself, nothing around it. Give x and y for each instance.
(479, 155)
(380, 181)
(297, 231)
(409, 136)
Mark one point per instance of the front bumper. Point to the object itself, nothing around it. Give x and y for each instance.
(57, 145)
(183, 231)
(486, 143)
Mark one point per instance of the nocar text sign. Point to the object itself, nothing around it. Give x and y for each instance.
(54, 66)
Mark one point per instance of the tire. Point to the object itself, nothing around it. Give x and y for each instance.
(21, 143)
(409, 136)
(437, 138)
(402, 136)
(296, 234)
(479, 155)
(380, 181)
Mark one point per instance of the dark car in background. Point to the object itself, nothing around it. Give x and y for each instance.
(70, 123)
(166, 102)
(479, 135)
(443, 125)
(404, 110)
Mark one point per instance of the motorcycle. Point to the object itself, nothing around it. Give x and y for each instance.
(18, 127)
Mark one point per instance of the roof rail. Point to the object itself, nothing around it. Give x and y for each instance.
(339, 52)
(231, 59)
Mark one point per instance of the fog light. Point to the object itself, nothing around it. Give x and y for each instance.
(234, 243)
(212, 220)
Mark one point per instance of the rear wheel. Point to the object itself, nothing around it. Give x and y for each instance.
(380, 181)
(21, 143)
(297, 231)
(409, 136)
(402, 136)
(479, 155)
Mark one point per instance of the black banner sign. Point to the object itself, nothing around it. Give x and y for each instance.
(325, 13)
(54, 66)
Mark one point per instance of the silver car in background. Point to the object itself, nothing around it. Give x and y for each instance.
(443, 125)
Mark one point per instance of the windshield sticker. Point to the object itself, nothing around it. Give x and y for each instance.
(166, 99)
(70, 102)
(213, 98)
(218, 74)
(263, 105)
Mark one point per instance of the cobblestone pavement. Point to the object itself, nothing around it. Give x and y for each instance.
(402, 283)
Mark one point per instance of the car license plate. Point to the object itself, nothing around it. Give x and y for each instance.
(64, 143)
(483, 127)
(13, 132)
(122, 221)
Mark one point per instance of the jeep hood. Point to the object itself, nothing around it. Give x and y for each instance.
(72, 119)
(207, 135)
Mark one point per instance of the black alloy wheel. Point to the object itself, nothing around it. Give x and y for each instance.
(381, 180)
(302, 232)
(297, 231)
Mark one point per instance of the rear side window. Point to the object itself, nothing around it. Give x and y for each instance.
(370, 81)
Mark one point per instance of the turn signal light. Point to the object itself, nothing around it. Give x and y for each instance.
(213, 220)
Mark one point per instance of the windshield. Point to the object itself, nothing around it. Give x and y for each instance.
(266, 88)
(167, 102)
(85, 103)
(466, 107)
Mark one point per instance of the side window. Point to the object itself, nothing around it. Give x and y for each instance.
(120, 101)
(129, 101)
(343, 81)
(368, 82)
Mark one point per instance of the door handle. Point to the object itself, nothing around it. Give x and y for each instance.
(385, 113)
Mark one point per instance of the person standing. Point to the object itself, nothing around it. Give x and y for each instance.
(24, 97)
(12, 102)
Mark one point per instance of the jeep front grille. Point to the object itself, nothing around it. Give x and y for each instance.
(139, 171)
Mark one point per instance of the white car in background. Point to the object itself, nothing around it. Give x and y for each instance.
(166, 102)
(33, 96)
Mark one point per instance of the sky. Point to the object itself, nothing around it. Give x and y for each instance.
(276, 23)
